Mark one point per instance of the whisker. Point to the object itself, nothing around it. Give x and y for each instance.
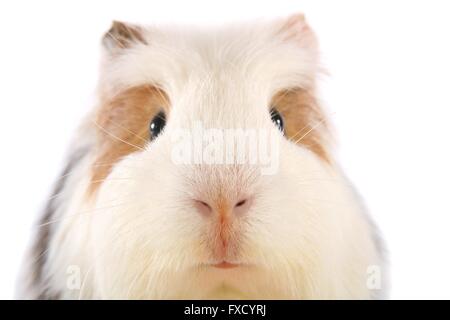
(310, 130)
(298, 132)
(56, 195)
(110, 179)
(128, 130)
(117, 138)
(161, 95)
(80, 213)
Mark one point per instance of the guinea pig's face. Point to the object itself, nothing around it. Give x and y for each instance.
(210, 163)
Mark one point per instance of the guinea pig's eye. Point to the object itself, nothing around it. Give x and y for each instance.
(157, 125)
(277, 119)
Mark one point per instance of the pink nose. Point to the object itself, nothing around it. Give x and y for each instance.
(223, 207)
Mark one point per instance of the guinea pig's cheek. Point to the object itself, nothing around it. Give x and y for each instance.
(286, 206)
(116, 200)
(117, 230)
(137, 217)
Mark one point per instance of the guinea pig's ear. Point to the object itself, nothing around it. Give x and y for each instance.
(122, 35)
(296, 29)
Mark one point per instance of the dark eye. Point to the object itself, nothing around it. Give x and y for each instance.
(157, 125)
(277, 119)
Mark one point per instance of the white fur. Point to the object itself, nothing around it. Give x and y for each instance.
(305, 235)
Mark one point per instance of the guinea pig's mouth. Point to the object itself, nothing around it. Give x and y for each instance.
(222, 265)
(225, 265)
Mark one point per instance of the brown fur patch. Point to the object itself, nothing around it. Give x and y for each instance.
(122, 35)
(123, 126)
(304, 121)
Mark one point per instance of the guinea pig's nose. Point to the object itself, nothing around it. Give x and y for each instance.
(223, 207)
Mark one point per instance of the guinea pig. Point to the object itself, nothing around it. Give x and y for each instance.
(205, 171)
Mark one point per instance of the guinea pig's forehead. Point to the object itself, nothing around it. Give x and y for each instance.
(251, 54)
(246, 58)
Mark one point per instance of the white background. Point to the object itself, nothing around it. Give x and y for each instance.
(389, 86)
